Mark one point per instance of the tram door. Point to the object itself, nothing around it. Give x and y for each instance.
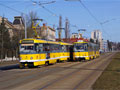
(71, 53)
(47, 49)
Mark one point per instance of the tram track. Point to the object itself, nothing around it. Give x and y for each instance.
(34, 75)
(43, 68)
(30, 76)
(93, 72)
(70, 74)
(62, 70)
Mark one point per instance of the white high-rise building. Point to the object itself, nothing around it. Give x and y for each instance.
(96, 35)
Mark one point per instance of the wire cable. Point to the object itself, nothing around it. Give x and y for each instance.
(93, 16)
(12, 8)
(47, 10)
(41, 5)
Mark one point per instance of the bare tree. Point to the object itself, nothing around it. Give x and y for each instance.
(29, 18)
(5, 42)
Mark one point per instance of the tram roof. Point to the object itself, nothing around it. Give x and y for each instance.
(52, 42)
(80, 42)
(63, 43)
(33, 40)
(37, 41)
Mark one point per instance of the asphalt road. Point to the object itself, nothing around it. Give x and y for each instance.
(8, 67)
(61, 76)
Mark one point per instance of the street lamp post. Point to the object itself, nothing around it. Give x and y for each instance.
(25, 27)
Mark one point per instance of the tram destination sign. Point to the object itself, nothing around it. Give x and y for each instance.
(27, 42)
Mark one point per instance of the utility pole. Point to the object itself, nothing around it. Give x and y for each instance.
(25, 27)
(54, 26)
(67, 30)
(60, 28)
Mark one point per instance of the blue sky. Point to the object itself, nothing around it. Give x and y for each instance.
(103, 10)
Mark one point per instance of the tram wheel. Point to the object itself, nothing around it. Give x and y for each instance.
(47, 63)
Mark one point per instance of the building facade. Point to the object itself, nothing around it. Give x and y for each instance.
(18, 23)
(96, 35)
(8, 25)
(103, 45)
(46, 32)
(15, 27)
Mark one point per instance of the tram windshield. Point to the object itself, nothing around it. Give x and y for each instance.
(27, 48)
(81, 47)
(31, 48)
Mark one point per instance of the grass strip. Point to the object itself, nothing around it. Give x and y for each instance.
(110, 78)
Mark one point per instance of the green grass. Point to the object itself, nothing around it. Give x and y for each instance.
(110, 78)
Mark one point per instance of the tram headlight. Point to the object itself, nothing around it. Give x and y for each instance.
(20, 58)
(31, 57)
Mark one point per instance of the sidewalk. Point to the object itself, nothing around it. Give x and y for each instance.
(9, 61)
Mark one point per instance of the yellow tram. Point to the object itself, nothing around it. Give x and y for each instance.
(35, 52)
(85, 50)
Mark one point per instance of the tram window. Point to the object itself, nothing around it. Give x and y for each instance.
(64, 48)
(37, 48)
(90, 47)
(26, 48)
(79, 47)
(59, 47)
(67, 48)
(40, 47)
(50, 47)
(46, 47)
(86, 47)
(55, 47)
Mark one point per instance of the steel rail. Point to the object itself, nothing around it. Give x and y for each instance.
(69, 74)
